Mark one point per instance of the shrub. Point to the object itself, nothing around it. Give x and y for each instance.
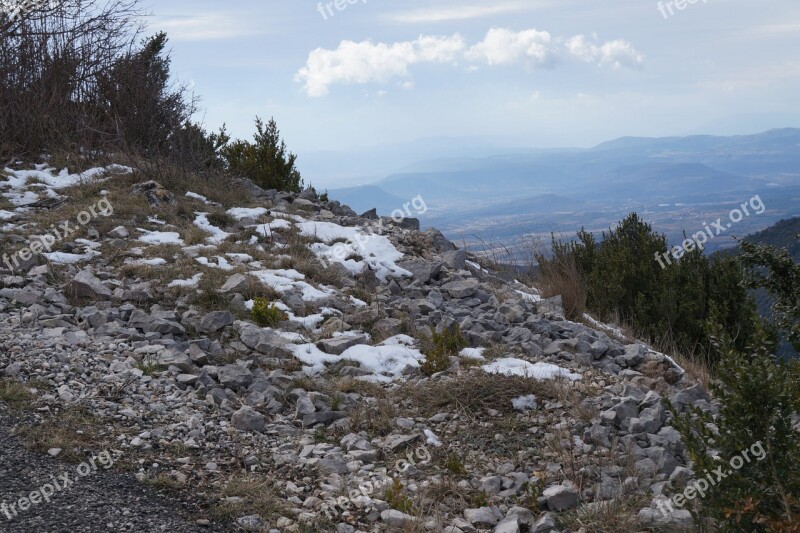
(265, 161)
(266, 314)
(623, 280)
(757, 396)
(440, 347)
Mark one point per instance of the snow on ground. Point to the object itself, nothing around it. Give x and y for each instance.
(267, 228)
(160, 237)
(221, 263)
(529, 297)
(524, 403)
(240, 213)
(187, 283)
(21, 199)
(64, 258)
(376, 251)
(430, 438)
(156, 261)
(386, 362)
(285, 280)
(6, 215)
(46, 175)
(197, 197)
(613, 330)
(511, 366)
(217, 235)
(473, 353)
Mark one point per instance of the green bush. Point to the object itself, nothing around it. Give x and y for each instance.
(758, 395)
(669, 306)
(266, 314)
(266, 161)
(440, 347)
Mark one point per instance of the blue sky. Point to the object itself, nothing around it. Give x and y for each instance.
(537, 73)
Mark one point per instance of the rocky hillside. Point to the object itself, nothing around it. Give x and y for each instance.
(281, 364)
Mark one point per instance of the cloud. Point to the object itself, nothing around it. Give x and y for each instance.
(504, 47)
(367, 62)
(427, 15)
(616, 53)
(205, 27)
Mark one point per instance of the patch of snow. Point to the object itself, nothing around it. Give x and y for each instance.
(217, 235)
(377, 251)
(430, 438)
(156, 220)
(221, 263)
(529, 297)
(63, 258)
(18, 179)
(399, 340)
(160, 237)
(190, 283)
(240, 213)
(156, 261)
(476, 266)
(197, 197)
(473, 353)
(524, 403)
(386, 362)
(511, 366)
(614, 330)
(284, 280)
(6, 215)
(358, 303)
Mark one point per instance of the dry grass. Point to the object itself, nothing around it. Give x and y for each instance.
(74, 430)
(475, 392)
(15, 394)
(612, 516)
(258, 497)
(561, 277)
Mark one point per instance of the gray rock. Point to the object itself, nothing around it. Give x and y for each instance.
(483, 516)
(236, 283)
(395, 518)
(338, 345)
(461, 289)
(215, 321)
(633, 356)
(234, 377)
(86, 286)
(396, 442)
(248, 419)
(560, 497)
(456, 259)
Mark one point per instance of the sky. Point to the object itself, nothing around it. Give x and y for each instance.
(536, 73)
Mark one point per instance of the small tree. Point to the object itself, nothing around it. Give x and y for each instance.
(266, 161)
(757, 397)
(775, 270)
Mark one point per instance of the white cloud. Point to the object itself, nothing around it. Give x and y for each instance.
(617, 53)
(365, 62)
(504, 47)
(205, 27)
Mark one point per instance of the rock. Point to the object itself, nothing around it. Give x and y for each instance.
(236, 283)
(155, 193)
(560, 497)
(456, 259)
(545, 524)
(395, 442)
(395, 518)
(461, 289)
(86, 286)
(422, 271)
(483, 516)
(633, 356)
(248, 419)
(372, 214)
(338, 345)
(234, 377)
(262, 340)
(120, 232)
(215, 321)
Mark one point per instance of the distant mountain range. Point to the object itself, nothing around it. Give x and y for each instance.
(677, 180)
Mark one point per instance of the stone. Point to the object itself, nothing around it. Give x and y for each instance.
(248, 419)
(234, 377)
(120, 232)
(395, 518)
(461, 289)
(633, 356)
(422, 271)
(215, 321)
(337, 345)
(86, 286)
(396, 443)
(560, 497)
(236, 283)
(455, 259)
(483, 516)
